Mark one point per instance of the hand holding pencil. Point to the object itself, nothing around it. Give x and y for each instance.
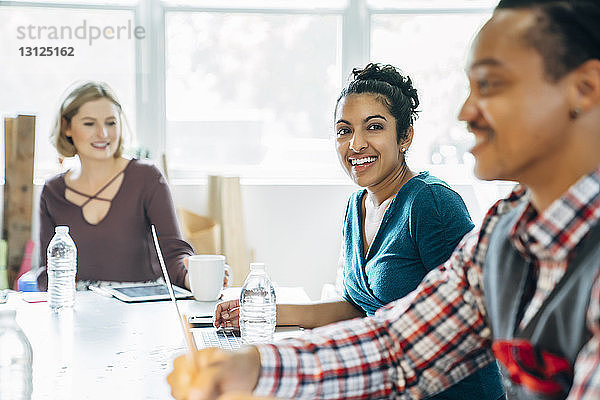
(209, 373)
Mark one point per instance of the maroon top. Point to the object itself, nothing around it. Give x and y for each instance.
(118, 248)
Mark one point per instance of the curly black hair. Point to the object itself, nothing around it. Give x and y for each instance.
(394, 90)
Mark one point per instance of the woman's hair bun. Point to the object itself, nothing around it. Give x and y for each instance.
(388, 74)
(393, 89)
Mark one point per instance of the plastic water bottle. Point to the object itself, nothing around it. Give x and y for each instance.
(62, 268)
(257, 306)
(16, 359)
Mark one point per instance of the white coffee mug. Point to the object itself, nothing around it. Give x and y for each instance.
(206, 273)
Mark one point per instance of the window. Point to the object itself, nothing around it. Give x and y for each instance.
(251, 93)
(35, 84)
(243, 87)
(431, 48)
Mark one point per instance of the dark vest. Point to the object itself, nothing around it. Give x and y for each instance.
(540, 358)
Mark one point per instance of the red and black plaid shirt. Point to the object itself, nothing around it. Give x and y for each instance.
(411, 349)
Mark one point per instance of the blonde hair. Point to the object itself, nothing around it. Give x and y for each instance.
(81, 94)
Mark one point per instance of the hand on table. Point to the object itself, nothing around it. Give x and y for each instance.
(227, 314)
(209, 373)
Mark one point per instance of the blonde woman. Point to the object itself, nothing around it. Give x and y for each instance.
(109, 202)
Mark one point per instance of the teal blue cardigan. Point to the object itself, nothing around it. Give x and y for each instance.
(421, 227)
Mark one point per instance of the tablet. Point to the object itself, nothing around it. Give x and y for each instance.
(136, 292)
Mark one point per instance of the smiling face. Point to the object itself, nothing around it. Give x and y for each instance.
(518, 116)
(96, 129)
(366, 140)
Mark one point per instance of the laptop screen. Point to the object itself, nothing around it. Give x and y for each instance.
(170, 287)
(204, 337)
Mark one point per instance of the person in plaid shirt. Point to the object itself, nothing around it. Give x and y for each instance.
(525, 288)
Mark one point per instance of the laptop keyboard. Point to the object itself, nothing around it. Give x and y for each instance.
(222, 338)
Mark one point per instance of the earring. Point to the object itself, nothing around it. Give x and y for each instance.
(575, 112)
(403, 149)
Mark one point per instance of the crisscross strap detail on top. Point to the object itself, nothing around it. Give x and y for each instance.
(95, 195)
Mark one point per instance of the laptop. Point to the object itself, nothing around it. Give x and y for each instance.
(203, 337)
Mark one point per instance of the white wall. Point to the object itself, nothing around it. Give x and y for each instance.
(296, 230)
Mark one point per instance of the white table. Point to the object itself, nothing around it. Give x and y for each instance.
(107, 349)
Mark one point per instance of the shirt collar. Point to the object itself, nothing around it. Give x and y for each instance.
(553, 234)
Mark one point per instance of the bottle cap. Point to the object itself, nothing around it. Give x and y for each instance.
(61, 229)
(27, 282)
(258, 266)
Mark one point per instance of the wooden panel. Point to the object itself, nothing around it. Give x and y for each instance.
(18, 189)
(225, 207)
(9, 128)
(203, 233)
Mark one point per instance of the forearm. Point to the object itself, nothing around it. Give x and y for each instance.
(316, 314)
(177, 268)
(161, 213)
(323, 364)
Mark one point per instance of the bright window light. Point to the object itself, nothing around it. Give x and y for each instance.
(35, 84)
(432, 49)
(251, 93)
